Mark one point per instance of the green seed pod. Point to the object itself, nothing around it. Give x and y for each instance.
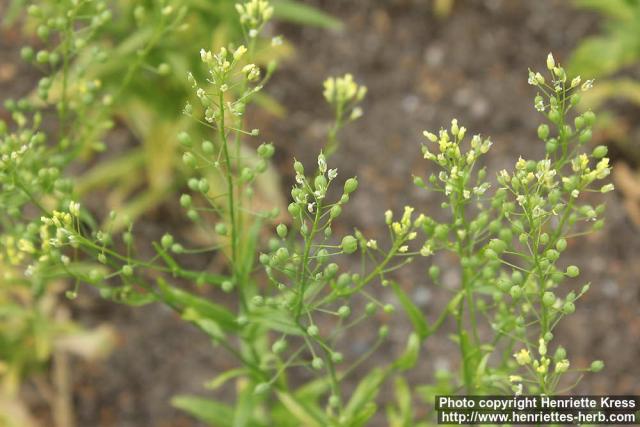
(43, 32)
(221, 229)
(189, 159)
(246, 175)
(560, 354)
(166, 241)
(27, 53)
(561, 245)
(551, 146)
(330, 270)
(185, 139)
(185, 201)
(127, 238)
(298, 167)
(42, 57)
(589, 117)
(383, 332)
(599, 152)
(312, 331)
(434, 272)
(350, 185)
(388, 308)
(337, 357)
(320, 183)
(317, 363)
(543, 132)
(596, 366)
(227, 286)
(294, 209)
(572, 271)
(585, 136)
(203, 185)
(548, 299)
(344, 280)
(266, 150)
(335, 212)
(177, 248)
(349, 244)
(127, 270)
(554, 115)
(497, 245)
(164, 69)
(515, 292)
(192, 214)
(370, 309)
(544, 239)
(344, 311)
(568, 308)
(207, 147)
(334, 401)
(282, 230)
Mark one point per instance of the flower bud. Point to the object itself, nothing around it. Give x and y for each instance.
(599, 152)
(596, 366)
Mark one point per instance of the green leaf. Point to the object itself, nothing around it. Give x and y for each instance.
(401, 415)
(276, 320)
(303, 412)
(365, 393)
(410, 355)
(415, 315)
(181, 300)
(224, 377)
(300, 13)
(616, 9)
(206, 410)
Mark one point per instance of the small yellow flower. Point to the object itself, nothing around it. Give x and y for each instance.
(523, 357)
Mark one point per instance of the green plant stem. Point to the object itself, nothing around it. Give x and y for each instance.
(302, 276)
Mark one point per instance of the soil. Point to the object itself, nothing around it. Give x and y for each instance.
(421, 71)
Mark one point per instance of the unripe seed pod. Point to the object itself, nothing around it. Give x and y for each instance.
(185, 200)
(312, 331)
(551, 146)
(344, 311)
(599, 152)
(434, 272)
(185, 139)
(572, 271)
(294, 209)
(189, 159)
(543, 132)
(298, 167)
(548, 299)
(388, 308)
(544, 238)
(317, 363)
(336, 357)
(597, 366)
(350, 185)
(349, 244)
(585, 136)
(127, 270)
(515, 292)
(166, 241)
(561, 245)
(370, 309)
(193, 184)
(336, 210)
(203, 185)
(383, 332)
(207, 147)
(221, 229)
(589, 117)
(568, 308)
(282, 230)
(227, 286)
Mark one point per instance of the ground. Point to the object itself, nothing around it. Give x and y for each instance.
(421, 71)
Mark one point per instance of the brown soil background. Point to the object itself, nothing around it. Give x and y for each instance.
(421, 72)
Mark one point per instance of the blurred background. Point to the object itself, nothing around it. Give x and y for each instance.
(424, 63)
